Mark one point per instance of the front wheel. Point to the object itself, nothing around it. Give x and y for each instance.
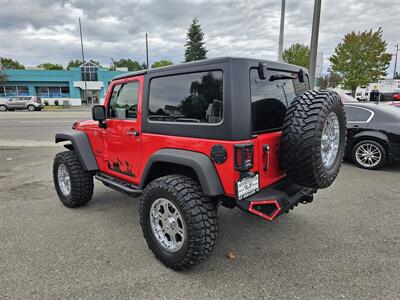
(3, 108)
(73, 184)
(369, 155)
(31, 108)
(178, 221)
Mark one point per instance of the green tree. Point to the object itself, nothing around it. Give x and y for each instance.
(361, 58)
(3, 77)
(330, 80)
(8, 63)
(297, 54)
(77, 63)
(162, 63)
(132, 65)
(50, 66)
(195, 48)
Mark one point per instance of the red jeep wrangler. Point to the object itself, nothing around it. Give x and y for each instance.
(186, 138)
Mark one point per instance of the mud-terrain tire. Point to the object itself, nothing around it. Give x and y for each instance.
(197, 221)
(80, 189)
(300, 149)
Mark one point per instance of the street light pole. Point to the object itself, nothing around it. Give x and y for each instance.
(147, 54)
(83, 59)
(281, 31)
(395, 61)
(314, 41)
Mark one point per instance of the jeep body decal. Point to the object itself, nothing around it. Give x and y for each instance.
(118, 166)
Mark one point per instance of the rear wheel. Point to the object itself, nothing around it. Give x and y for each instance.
(3, 108)
(369, 155)
(73, 184)
(31, 108)
(179, 222)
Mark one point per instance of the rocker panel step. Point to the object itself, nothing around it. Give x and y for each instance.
(118, 184)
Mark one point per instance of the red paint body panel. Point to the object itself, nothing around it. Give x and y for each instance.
(112, 143)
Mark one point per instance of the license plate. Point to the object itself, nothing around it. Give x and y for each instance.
(247, 187)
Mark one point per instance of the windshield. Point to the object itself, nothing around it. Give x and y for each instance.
(271, 97)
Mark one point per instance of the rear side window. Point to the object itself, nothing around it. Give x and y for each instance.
(194, 97)
(271, 97)
(354, 114)
(124, 100)
(351, 113)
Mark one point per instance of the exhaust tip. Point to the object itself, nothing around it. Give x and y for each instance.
(267, 209)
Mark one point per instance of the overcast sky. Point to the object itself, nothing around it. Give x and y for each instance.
(40, 31)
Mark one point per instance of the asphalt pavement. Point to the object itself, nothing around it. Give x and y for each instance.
(346, 244)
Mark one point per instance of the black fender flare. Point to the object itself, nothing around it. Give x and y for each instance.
(81, 145)
(199, 162)
(371, 134)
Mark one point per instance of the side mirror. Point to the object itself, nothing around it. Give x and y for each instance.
(262, 70)
(99, 114)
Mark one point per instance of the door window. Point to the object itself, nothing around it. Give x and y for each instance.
(124, 101)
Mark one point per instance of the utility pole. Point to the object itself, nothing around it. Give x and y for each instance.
(395, 61)
(83, 59)
(314, 41)
(147, 53)
(281, 31)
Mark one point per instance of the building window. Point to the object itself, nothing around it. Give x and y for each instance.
(2, 92)
(65, 92)
(42, 91)
(55, 92)
(11, 91)
(22, 91)
(89, 72)
(52, 91)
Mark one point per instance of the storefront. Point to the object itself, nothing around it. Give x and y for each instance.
(86, 84)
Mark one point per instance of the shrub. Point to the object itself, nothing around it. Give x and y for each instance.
(46, 103)
(56, 102)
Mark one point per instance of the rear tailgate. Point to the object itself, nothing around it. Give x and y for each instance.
(268, 168)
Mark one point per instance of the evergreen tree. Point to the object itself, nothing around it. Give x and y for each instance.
(195, 48)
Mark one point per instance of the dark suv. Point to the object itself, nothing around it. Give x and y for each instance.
(238, 132)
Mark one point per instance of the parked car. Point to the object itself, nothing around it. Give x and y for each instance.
(30, 103)
(373, 134)
(396, 96)
(232, 131)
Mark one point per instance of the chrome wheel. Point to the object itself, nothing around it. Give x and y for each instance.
(167, 225)
(31, 108)
(330, 140)
(64, 181)
(368, 155)
(3, 108)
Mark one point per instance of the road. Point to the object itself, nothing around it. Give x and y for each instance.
(345, 244)
(36, 128)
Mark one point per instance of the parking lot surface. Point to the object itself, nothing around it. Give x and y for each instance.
(346, 244)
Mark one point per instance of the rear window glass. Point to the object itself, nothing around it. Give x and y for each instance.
(193, 97)
(271, 97)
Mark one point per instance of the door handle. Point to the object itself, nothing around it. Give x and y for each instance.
(132, 132)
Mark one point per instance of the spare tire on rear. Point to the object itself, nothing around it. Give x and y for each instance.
(313, 139)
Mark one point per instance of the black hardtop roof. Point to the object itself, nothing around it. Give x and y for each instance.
(270, 64)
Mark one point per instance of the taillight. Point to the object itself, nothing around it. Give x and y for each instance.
(244, 157)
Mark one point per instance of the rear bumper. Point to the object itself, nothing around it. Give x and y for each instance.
(393, 152)
(276, 199)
